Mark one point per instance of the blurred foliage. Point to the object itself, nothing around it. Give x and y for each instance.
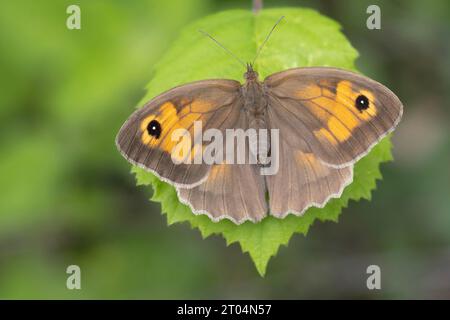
(67, 197)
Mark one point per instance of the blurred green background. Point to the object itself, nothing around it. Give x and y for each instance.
(67, 196)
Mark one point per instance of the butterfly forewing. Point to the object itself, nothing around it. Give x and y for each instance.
(338, 114)
(147, 138)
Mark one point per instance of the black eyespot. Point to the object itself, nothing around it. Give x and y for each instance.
(154, 129)
(361, 103)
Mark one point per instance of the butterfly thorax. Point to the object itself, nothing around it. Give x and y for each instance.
(255, 102)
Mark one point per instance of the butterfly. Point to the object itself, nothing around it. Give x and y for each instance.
(326, 118)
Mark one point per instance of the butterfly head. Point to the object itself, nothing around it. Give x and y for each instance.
(250, 74)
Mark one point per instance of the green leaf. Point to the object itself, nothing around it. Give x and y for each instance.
(303, 38)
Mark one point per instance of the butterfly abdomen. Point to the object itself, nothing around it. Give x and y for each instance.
(255, 107)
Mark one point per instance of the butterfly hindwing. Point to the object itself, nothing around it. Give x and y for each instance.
(303, 181)
(233, 191)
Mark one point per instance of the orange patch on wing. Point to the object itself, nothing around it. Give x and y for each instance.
(201, 106)
(169, 121)
(339, 130)
(342, 116)
(347, 97)
(308, 92)
(338, 119)
(337, 110)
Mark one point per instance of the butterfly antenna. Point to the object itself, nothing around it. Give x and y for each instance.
(223, 47)
(267, 38)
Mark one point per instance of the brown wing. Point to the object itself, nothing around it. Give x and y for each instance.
(338, 115)
(303, 181)
(231, 191)
(146, 138)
